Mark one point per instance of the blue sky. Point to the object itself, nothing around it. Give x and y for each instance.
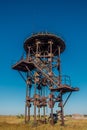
(18, 20)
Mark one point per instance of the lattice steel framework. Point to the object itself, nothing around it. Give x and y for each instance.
(45, 85)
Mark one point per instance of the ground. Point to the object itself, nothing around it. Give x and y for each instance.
(17, 123)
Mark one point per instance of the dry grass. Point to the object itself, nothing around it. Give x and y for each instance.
(11, 119)
(15, 123)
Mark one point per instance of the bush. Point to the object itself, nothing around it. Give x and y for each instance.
(20, 116)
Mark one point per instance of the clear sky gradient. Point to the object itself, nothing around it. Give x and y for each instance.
(18, 20)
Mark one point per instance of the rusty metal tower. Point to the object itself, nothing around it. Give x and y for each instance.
(45, 84)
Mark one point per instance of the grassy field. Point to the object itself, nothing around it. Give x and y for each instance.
(16, 123)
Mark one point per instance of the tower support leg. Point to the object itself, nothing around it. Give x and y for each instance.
(62, 112)
(25, 113)
(44, 113)
(34, 113)
(28, 114)
(52, 121)
(38, 113)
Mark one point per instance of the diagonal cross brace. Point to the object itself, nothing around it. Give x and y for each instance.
(22, 76)
(67, 99)
(45, 74)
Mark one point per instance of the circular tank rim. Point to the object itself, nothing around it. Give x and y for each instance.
(30, 41)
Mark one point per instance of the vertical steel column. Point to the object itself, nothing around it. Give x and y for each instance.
(26, 102)
(52, 113)
(39, 112)
(29, 88)
(29, 113)
(37, 56)
(61, 94)
(50, 62)
(44, 106)
(50, 70)
(26, 106)
(59, 66)
(62, 112)
(39, 106)
(35, 101)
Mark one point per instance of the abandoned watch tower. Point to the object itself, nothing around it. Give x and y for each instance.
(45, 84)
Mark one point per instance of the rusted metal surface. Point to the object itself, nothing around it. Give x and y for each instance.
(43, 87)
(43, 40)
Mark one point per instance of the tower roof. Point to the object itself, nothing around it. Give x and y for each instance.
(44, 38)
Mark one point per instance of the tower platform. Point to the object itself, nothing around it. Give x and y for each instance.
(22, 65)
(64, 88)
